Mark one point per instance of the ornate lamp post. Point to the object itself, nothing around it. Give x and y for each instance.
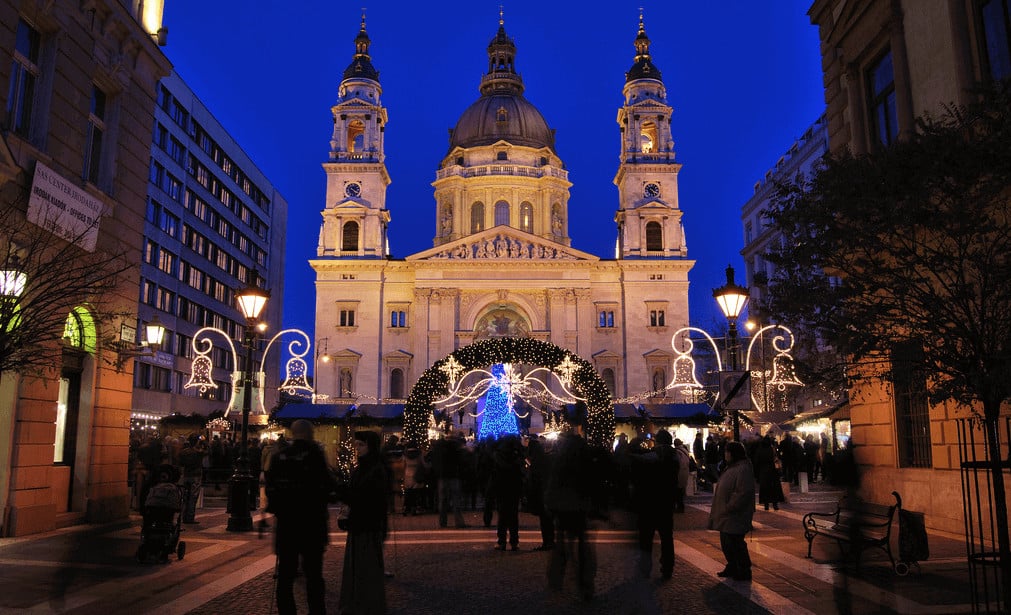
(251, 301)
(732, 299)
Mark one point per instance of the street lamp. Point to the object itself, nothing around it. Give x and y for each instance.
(13, 280)
(321, 357)
(252, 300)
(732, 299)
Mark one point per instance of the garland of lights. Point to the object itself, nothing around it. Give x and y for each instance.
(440, 377)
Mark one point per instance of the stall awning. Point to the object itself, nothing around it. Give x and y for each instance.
(387, 412)
(624, 412)
(315, 412)
(679, 413)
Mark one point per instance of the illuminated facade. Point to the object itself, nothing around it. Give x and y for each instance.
(77, 93)
(886, 62)
(212, 220)
(502, 262)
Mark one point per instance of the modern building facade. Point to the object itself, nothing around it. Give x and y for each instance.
(502, 262)
(886, 62)
(79, 83)
(213, 220)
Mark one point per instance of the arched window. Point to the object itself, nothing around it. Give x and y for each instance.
(477, 217)
(397, 383)
(608, 377)
(356, 136)
(647, 140)
(527, 217)
(349, 240)
(654, 237)
(73, 331)
(501, 213)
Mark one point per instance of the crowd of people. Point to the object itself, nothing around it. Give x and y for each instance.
(564, 482)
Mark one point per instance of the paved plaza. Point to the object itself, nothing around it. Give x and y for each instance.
(90, 569)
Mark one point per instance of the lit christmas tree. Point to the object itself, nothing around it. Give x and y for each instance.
(498, 418)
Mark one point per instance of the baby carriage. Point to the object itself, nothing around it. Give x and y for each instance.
(159, 534)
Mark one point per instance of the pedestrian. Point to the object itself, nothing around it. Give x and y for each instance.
(298, 484)
(151, 456)
(654, 485)
(732, 510)
(684, 474)
(191, 459)
(507, 479)
(415, 480)
(537, 480)
(568, 497)
(445, 460)
(770, 490)
(362, 591)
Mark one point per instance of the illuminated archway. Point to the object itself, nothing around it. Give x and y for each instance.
(584, 380)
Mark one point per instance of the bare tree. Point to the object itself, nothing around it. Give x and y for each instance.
(58, 276)
(909, 248)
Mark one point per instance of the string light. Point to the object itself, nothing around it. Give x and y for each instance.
(499, 417)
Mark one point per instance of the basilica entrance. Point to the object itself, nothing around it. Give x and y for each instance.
(576, 375)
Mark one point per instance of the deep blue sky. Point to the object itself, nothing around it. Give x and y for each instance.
(743, 77)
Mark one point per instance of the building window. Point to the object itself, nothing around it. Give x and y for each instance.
(654, 237)
(912, 414)
(24, 76)
(501, 213)
(502, 156)
(647, 139)
(169, 223)
(356, 136)
(656, 318)
(397, 383)
(96, 130)
(527, 217)
(748, 233)
(398, 318)
(608, 377)
(349, 237)
(996, 18)
(477, 217)
(347, 318)
(167, 262)
(606, 319)
(884, 117)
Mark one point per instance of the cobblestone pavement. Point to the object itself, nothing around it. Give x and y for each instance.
(90, 569)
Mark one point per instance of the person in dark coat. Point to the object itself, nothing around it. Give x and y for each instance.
(732, 510)
(654, 488)
(362, 591)
(507, 480)
(568, 497)
(445, 458)
(537, 481)
(298, 485)
(770, 491)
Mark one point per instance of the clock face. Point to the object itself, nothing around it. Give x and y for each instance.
(353, 189)
(651, 190)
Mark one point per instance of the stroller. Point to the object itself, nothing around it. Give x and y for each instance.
(159, 534)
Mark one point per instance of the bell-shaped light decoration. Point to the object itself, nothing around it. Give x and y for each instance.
(784, 372)
(201, 374)
(684, 373)
(295, 377)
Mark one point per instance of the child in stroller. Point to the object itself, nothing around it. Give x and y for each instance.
(159, 534)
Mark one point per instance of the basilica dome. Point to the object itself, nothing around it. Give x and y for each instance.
(502, 114)
(502, 117)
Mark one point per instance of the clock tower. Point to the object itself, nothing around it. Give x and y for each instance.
(648, 217)
(355, 219)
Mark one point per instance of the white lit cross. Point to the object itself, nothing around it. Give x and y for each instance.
(452, 369)
(565, 369)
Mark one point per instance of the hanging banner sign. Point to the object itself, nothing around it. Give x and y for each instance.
(735, 390)
(62, 208)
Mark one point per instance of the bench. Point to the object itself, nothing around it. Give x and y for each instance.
(858, 523)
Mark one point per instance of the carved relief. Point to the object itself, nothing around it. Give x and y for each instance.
(502, 246)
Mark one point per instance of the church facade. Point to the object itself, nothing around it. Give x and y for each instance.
(502, 262)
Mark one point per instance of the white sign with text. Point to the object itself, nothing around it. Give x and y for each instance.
(62, 208)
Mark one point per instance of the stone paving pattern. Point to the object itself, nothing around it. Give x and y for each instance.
(91, 569)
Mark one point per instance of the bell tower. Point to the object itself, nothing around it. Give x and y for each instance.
(648, 217)
(355, 218)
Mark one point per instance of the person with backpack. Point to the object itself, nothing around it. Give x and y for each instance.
(298, 484)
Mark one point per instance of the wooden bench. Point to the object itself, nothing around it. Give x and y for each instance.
(858, 523)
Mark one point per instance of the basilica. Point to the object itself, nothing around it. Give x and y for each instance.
(501, 263)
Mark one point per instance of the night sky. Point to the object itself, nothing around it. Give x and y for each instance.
(743, 78)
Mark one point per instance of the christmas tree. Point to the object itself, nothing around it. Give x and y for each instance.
(498, 418)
